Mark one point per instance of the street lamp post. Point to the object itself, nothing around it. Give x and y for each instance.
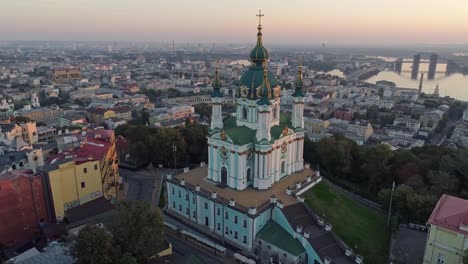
(174, 149)
(390, 207)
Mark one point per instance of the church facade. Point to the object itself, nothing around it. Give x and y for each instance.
(258, 146)
(250, 193)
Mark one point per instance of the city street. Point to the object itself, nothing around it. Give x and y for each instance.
(140, 184)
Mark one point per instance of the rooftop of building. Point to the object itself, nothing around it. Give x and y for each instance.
(274, 234)
(94, 146)
(248, 197)
(242, 135)
(11, 175)
(452, 213)
(325, 243)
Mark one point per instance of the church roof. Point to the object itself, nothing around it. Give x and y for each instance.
(276, 131)
(253, 78)
(242, 135)
(298, 84)
(216, 85)
(259, 53)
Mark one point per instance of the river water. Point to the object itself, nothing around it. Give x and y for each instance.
(454, 85)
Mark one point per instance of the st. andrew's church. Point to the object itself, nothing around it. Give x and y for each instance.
(250, 194)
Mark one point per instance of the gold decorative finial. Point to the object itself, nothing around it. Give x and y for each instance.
(260, 15)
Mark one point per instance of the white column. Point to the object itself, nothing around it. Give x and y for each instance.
(210, 164)
(215, 173)
(232, 169)
(260, 166)
(255, 170)
(241, 172)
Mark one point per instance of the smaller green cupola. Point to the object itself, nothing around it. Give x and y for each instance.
(216, 85)
(264, 90)
(298, 84)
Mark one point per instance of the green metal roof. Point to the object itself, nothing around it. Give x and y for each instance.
(276, 131)
(274, 234)
(240, 135)
(298, 84)
(259, 53)
(253, 78)
(216, 86)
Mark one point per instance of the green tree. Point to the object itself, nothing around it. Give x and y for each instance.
(138, 230)
(127, 258)
(203, 109)
(93, 245)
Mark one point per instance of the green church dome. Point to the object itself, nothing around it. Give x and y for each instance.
(253, 77)
(216, 85)
(259, 53)
(298, 84)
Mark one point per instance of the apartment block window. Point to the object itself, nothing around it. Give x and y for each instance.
(179, 194)
(180, 208)
(206, 206)
(218, 211)
(245, 223)
(186, 197)
(285, 255)
(194, 214)
(187, 211)
(173, 205)
(227, 231)
(193, 200)
(218, 226)
(226, 215)
(244, 240)
(85, 170)
(235, 219)
(83, 185)
(173, 191)
(95, 166)
(259, 242)
(235, 234)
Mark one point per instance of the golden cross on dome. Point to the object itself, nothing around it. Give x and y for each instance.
(260, 15)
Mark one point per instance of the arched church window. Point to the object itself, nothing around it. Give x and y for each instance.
(244, 113)
(13, 166)
(283, 167)
(249, 175)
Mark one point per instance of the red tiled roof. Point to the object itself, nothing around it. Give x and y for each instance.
(94, 146)
(450, 212)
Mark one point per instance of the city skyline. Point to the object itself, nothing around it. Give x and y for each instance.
(294, 22)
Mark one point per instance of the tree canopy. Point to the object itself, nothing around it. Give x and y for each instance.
(155, 145)
(135, 236)
(422, 174)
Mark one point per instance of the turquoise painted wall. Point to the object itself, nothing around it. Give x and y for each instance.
(202, 210)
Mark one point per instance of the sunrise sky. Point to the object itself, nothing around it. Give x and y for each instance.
(285, 21)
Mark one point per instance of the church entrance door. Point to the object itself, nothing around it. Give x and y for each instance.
(224, 176)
